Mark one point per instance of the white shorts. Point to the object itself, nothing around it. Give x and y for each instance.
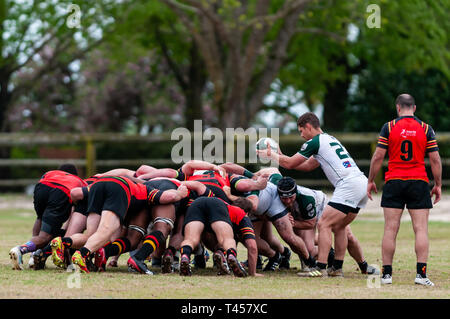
(351, 192)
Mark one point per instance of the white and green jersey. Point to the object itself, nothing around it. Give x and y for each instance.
(334, 159)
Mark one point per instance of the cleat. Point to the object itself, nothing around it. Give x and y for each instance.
(139, 266)
(31, 262)
(185, 267)
(284, 263)
(386, 280)
(100, 260)
(58, 252)
(79, 262)
(39, 260)
(304, 268)
(220, 263)
(424, 281)
(156, 262)
(16, 258)
(335, 272)
(199, 261)
(371, 270)
(273, 263)
(235, 265)
(259, 263)
(167, 261)
(315, 272)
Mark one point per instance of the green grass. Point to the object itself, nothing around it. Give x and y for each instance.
(15, 228)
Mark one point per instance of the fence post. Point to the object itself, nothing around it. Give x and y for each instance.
(90, 157)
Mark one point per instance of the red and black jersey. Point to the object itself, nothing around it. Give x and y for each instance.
(242, 225)
(407, 140)
(136, 192)
(62, 180)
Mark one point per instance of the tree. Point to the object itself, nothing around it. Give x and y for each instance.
(244, 44)
(31, 29)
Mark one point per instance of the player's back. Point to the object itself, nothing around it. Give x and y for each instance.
(407, 140)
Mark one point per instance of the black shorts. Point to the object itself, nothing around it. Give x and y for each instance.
(344, 208)
(415, 194)
(207, 210)
(110, 196)
(52, 207)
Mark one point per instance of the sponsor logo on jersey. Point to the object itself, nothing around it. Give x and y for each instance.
(405, 133)
(347, 164)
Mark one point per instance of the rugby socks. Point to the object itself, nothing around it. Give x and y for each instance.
(232, 251)
(150, 244)
(27, 247)
(330, 257)
(186, 250)
(311, 262)
(337, 264)
(67, 242)
(422, 269)
(47, 250)
(363, 266)
(117, 247)
(387, 270)
(321, 265)
(85, 253)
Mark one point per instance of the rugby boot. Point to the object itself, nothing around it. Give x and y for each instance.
(167, 261)
(236, 266)
(100, 260)
(185, 267)
(79, 262)
(58, 252)
(285, 258)
(273, 262)
(39, 260)
(259, 263)
(16, 258)
(314, 272)
(386, 280)
(220, 263)
(332, 272)
(136, 265)
(371, 270)
(424, 281)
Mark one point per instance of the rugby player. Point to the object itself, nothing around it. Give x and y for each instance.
(407, 140)
(53, 206)
(349, 196)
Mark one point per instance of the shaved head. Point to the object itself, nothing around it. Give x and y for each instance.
(405, 100)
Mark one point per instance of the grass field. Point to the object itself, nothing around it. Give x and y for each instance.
(17, 217)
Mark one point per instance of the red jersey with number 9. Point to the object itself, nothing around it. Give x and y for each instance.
(407, 140)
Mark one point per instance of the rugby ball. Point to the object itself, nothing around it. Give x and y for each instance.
(264, 141)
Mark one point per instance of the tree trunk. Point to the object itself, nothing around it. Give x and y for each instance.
(194, 88)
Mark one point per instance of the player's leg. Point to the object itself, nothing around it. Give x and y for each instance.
(286, 232)
(392, 217)
(330, 217)
(192, 235)
(163, 221)
(419, 218)
(340, 243)
(109, 223)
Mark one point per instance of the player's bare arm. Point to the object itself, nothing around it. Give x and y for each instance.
(375, 165)
(436, 169)
(309, 165)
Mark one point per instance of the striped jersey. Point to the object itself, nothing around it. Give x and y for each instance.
(407, 140)
(335, 161)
